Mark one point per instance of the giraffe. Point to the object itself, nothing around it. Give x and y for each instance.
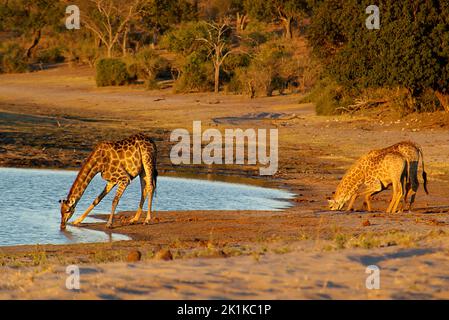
(118, 162)
(375, 171)
(412, 152)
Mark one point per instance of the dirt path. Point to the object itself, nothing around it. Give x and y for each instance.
(52, 119)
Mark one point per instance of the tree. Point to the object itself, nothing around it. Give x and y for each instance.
(218, 44)
(29, 18)
(109, 20)
(410, 50)
(160, 15)
(286, 11)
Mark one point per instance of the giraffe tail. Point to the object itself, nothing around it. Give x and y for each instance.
(154, 178)
(424, 174)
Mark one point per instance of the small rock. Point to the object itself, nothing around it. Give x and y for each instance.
(164, 254)
(366, 223)
(134, 256)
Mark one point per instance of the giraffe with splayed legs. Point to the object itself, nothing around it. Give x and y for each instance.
(118, 163)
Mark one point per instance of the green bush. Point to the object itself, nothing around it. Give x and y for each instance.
(196, 74)
(148, 65)
(183, 39)
(82, 51)
(50, 55)
(255, 38)
(13, 58)
(328, 97)
(410, 50)
(266, 72)
(404, 102)
(111, 72)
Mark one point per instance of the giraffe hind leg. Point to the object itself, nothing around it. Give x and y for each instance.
(143, 196)
(149, 165)
(120, 189)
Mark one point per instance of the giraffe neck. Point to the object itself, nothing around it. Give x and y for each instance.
(347, 188)
(88, 171)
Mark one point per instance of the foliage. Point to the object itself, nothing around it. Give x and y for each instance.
(84, 52)
(111, 72)
(50, 55)
(29, 18)
(183, 38)
(275, 66)
(148, 65)
(410, 50)
(163, 14)
(196, 74)
(109, 20)
(285, 11)
(12, 58)
(328, 97)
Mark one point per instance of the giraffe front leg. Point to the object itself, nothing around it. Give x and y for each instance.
(106, 190)
(120, 189)
(351, 202)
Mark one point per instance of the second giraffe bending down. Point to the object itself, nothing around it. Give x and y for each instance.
(412, 152)
(118, 162)
(374, 171)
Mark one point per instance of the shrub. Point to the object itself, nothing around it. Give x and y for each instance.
(266, 72)
(404, 102)
(183, 39)
(147, 64)
(82, 51)
(196, 74)
(13, 58)
(328, 96)
(255, 38)
(111, 72)
(51, 55)
(410, 50)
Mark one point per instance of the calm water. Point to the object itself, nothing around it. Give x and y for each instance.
(29, 208)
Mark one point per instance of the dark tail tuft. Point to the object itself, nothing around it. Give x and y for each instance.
(154, 177)
(424, 174)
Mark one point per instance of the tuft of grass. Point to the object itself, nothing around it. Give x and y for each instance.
(371, 240)
(282, 250)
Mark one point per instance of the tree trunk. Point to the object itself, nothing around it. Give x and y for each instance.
(110, 51)
(444, 100)
(125, 42)
(155, 37)
(36, 39)
(217, 78)
(240, 24)
(287, 23)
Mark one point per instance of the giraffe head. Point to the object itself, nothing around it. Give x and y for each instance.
(341, 197)
(336, 204)
(67, 211)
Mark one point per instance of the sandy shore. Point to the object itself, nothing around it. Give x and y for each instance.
(52, 119)
(302, 273)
